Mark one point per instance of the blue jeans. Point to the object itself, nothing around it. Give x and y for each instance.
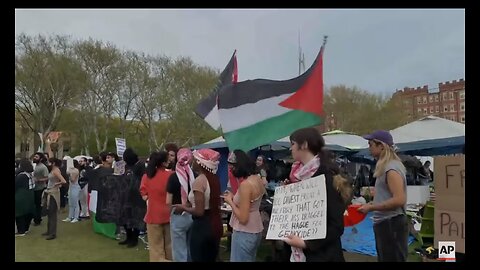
(73, 201)
(179, 231)
(245, 246)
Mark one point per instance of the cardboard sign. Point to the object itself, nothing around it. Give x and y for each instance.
(299, 209)
(450, 201)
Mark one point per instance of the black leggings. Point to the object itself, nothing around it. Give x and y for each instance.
(23, 223)
(203, 245)
(391, 239)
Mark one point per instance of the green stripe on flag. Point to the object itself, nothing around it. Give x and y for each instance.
(270, 130)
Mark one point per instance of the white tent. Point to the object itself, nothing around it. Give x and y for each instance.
(334, 140)
(428, 128)
(340, 138)
(429, 136)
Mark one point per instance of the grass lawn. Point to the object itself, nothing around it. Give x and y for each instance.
(78, 243)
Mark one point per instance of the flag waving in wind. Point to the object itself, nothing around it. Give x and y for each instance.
(257, 112)
(207, 108)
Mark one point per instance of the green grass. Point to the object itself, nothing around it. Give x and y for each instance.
(78, 243)
(74, 243)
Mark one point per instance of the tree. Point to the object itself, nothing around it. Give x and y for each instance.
(361, 112)
(152, 96)
(125, 96)
(103, 64)
(47, 79)
(190, 83)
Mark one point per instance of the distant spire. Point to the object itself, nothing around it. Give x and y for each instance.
(301, 57)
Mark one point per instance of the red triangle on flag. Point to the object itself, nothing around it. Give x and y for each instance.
(309, 98)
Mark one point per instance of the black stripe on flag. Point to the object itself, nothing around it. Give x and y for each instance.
(226, 78)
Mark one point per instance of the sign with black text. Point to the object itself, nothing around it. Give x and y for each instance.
(299, 209)
(450, 201)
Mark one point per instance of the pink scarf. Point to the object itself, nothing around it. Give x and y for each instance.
(301, 172)
(184, 172)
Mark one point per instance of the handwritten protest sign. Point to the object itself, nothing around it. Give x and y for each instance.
(121, 146)
(450, 201)
(299, 209)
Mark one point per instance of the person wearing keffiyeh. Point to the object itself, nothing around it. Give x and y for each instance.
(178, 186)
(310, 161)
(204, 197)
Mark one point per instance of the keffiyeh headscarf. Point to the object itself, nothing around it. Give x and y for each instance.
(184, 172)
(208, 159)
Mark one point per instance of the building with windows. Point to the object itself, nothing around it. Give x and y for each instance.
(446, 101)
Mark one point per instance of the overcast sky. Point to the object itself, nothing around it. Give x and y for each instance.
(376, 50)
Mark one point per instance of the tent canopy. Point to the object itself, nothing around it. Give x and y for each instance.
(337, 141)
(429, 136)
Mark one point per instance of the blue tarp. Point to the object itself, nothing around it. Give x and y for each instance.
(363, 241)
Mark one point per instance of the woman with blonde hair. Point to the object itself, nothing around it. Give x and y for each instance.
(390, 224)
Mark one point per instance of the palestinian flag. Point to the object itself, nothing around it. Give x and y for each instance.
(207, 108)
(258, 112)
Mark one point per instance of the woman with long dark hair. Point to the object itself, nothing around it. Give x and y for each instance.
(311, 160)
(206, 229)
(153, 189)
(51, 197)
(246, 220)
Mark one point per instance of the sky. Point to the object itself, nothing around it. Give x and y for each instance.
(377, 50)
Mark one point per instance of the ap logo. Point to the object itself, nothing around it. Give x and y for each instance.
(446, 251)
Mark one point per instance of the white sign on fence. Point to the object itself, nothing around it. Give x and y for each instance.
(299, 209)
(121, 146)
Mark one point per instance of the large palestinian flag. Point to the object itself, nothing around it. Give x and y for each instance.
(257, 112)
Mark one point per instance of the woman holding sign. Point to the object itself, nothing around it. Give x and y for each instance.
(390, 224)
(311, 161)
(246, 220)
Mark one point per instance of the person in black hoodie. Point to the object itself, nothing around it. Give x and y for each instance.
(134, 208)
(310, 161)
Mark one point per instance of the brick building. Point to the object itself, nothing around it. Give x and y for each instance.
(446, 101)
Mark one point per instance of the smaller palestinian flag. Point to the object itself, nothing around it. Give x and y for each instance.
(257, 112)
(207, 108)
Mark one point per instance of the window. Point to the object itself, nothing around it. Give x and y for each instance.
(445, 108)
(430, 99)
(424, 100)
(419, 110)
(454, 118)
(451, 96)
(444, 96)
(462, 94)
(452, 107)
(436, 98)
(425, 111)
(462, 119)
(437, 109)
(462, 106)
(431, 109)
(419, 100)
